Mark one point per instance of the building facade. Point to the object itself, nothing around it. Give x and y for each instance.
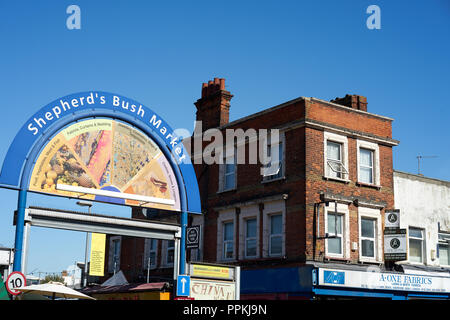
(311, 226)
(298, 231)
(424, 205)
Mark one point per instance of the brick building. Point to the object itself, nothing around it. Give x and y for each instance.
(311, 229)
(332, 153)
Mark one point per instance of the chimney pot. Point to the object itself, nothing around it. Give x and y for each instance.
(353, 101)
(213, 107)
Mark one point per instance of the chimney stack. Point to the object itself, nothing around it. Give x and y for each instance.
(213, 107)
(352, 101)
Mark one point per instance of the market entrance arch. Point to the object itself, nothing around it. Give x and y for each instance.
(102, 147)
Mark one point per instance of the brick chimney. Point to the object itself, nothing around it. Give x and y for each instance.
(213, 107)
(352, 101)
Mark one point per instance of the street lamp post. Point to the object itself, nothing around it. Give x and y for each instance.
(86, 252)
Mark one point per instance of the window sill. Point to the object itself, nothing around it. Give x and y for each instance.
(369, 260)
(272, 180)
(415, 263)
(336, 179)
(227, 190)
(337, 258)
(368, 185)
(227, 260)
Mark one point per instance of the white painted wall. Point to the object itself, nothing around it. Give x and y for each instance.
(423, 202)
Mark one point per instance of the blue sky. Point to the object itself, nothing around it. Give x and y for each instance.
(159, 53)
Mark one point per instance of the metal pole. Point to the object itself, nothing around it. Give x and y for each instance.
(237, 279)
(25, 246)
(176, 262)
(86, 253)
(148, 267)
(18, 245)
(184, 218)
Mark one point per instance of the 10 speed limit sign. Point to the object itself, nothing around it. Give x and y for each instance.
(14, 281)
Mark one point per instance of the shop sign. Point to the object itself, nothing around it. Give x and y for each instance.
(395, 244)
(193, 237)
(383, 281)
(98, 244)
(208, 271)
(392, 219)
(212, 290)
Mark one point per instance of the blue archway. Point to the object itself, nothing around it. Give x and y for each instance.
(49, 120)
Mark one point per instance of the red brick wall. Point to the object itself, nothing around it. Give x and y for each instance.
(304, 171)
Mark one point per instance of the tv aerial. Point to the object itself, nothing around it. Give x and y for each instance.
(418, 162)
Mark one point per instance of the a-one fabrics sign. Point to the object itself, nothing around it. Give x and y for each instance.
(383, 281)
(93, 145)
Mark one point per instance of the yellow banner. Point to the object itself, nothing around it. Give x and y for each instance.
(210, 271)
(98, 241)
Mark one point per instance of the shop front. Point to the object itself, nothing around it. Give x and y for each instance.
(328, 281)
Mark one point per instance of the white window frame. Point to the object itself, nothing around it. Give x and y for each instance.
(373, 214)
(270, 209)
(444, 242)
(375, 161)
(248, 238)
(342, 209)
(148, 251)
(248, 212)
(223, 173)
(225, 242)
(224, 217)
(424, 256)
(281, 172)
(343, 141)
(275, 235)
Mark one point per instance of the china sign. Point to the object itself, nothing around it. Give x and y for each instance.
(212, 290)
(210, 282)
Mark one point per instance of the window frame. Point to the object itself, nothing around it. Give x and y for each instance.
(275, 235)
(361, 144)
(372, 214)
(253, 238)
(223, 174)
(281, 162)
(225, 242)
(366, 238)
(273, 208)
(444, 240)
(364, 166)
(343, 142)
(423, 247)
(342, 209)
(247, 213)
(340, 235)
(228, 215)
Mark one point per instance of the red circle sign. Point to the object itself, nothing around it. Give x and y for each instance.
(15, 280)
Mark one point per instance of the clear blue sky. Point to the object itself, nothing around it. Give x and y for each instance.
(159, 53)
